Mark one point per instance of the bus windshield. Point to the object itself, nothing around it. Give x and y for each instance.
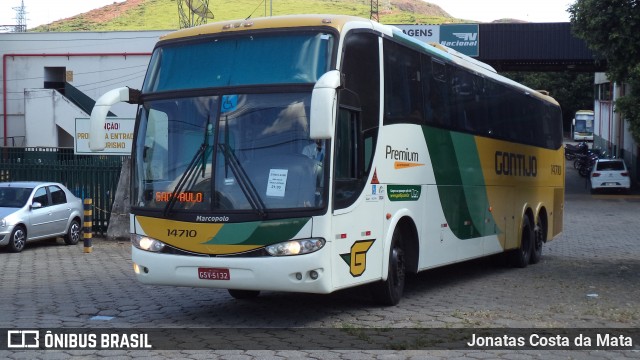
(280, 58)
(246, 152)
(584, 123)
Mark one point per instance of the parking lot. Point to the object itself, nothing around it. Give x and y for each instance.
(587, 279)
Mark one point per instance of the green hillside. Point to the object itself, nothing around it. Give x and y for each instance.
(163, 14)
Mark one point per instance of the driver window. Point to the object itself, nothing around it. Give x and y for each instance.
(41, 197)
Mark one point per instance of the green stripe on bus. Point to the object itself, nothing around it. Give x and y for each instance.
(460, 182)
(258, 232)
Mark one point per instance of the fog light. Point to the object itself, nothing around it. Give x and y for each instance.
(313, 274)
(299, 276)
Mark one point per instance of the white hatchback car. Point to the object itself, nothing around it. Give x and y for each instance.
(610, 174)
(38, 210)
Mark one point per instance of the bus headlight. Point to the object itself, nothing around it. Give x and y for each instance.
(296, 247)
(146, 243)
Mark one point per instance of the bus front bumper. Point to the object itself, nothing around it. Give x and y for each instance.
(308, 273)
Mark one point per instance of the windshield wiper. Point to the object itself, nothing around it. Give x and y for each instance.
(192, 168)
(193, 165)
(245, 183)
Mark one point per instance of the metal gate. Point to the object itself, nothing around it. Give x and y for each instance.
(94, 177)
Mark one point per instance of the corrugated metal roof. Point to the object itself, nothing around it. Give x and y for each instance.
(534, 44)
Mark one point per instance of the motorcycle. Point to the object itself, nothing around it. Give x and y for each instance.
(572, 151)
(585, 164)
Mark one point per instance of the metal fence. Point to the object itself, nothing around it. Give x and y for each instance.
(94, 177)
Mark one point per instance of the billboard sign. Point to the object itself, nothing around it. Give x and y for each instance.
(118, 137)
(424, 33)
(461, 37)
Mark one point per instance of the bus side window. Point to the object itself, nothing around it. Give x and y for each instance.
(358, 116)
(438, 92)
(403, 85)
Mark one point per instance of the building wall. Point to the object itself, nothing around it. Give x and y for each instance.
(611, 131)
(93, 62)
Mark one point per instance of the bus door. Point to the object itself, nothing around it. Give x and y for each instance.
(357, 217)
(357, 204)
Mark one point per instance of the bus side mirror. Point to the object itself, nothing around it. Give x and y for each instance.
(100, 111)
(324, 99)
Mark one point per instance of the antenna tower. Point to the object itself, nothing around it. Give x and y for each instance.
(21, 18)
(375, 15)
(193, 12)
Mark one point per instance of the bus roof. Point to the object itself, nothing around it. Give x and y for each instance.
(274, 22)
(338, 22)
(585, 112)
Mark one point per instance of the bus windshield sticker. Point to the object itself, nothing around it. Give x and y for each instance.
(404, 192)
(229, 103)
(277, 182)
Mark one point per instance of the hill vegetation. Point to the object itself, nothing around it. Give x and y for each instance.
(163, 14)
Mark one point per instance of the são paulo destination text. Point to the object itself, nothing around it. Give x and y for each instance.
(546, 340)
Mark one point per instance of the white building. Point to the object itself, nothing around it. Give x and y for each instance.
(50, 79)
(610, 131)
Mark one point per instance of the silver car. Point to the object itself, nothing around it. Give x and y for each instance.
(38, 210)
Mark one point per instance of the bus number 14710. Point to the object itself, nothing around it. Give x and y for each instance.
(182, 233)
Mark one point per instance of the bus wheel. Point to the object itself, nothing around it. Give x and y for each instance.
(389, 292)
(522, 255)
(244, 294)
(538, 240)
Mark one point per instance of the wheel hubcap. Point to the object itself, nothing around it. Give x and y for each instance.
(75, 232)
(19, 239)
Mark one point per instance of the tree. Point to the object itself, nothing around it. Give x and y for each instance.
(610, 28)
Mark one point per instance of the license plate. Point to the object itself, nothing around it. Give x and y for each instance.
(214, 274)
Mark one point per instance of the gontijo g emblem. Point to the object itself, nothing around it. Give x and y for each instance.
(357, 259)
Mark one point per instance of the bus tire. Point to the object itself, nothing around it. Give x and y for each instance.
(521, 256)
(538, 241)
(243, 294)
(389, 292)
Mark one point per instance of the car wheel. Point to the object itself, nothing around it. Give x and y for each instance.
(73, 234)
(244, 294)
(18, 239)
(522, 255)
(389, 292)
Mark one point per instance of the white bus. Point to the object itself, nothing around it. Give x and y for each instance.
(316, 153)
(582, 125)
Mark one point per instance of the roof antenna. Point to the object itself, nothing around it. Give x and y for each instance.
(254, 10)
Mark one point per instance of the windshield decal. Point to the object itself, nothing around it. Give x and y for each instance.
(277, 182)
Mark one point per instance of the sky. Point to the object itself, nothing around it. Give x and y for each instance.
(46, 11)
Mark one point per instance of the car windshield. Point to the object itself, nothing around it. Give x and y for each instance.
(14, 197)
(246, 152)
(610, 166)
